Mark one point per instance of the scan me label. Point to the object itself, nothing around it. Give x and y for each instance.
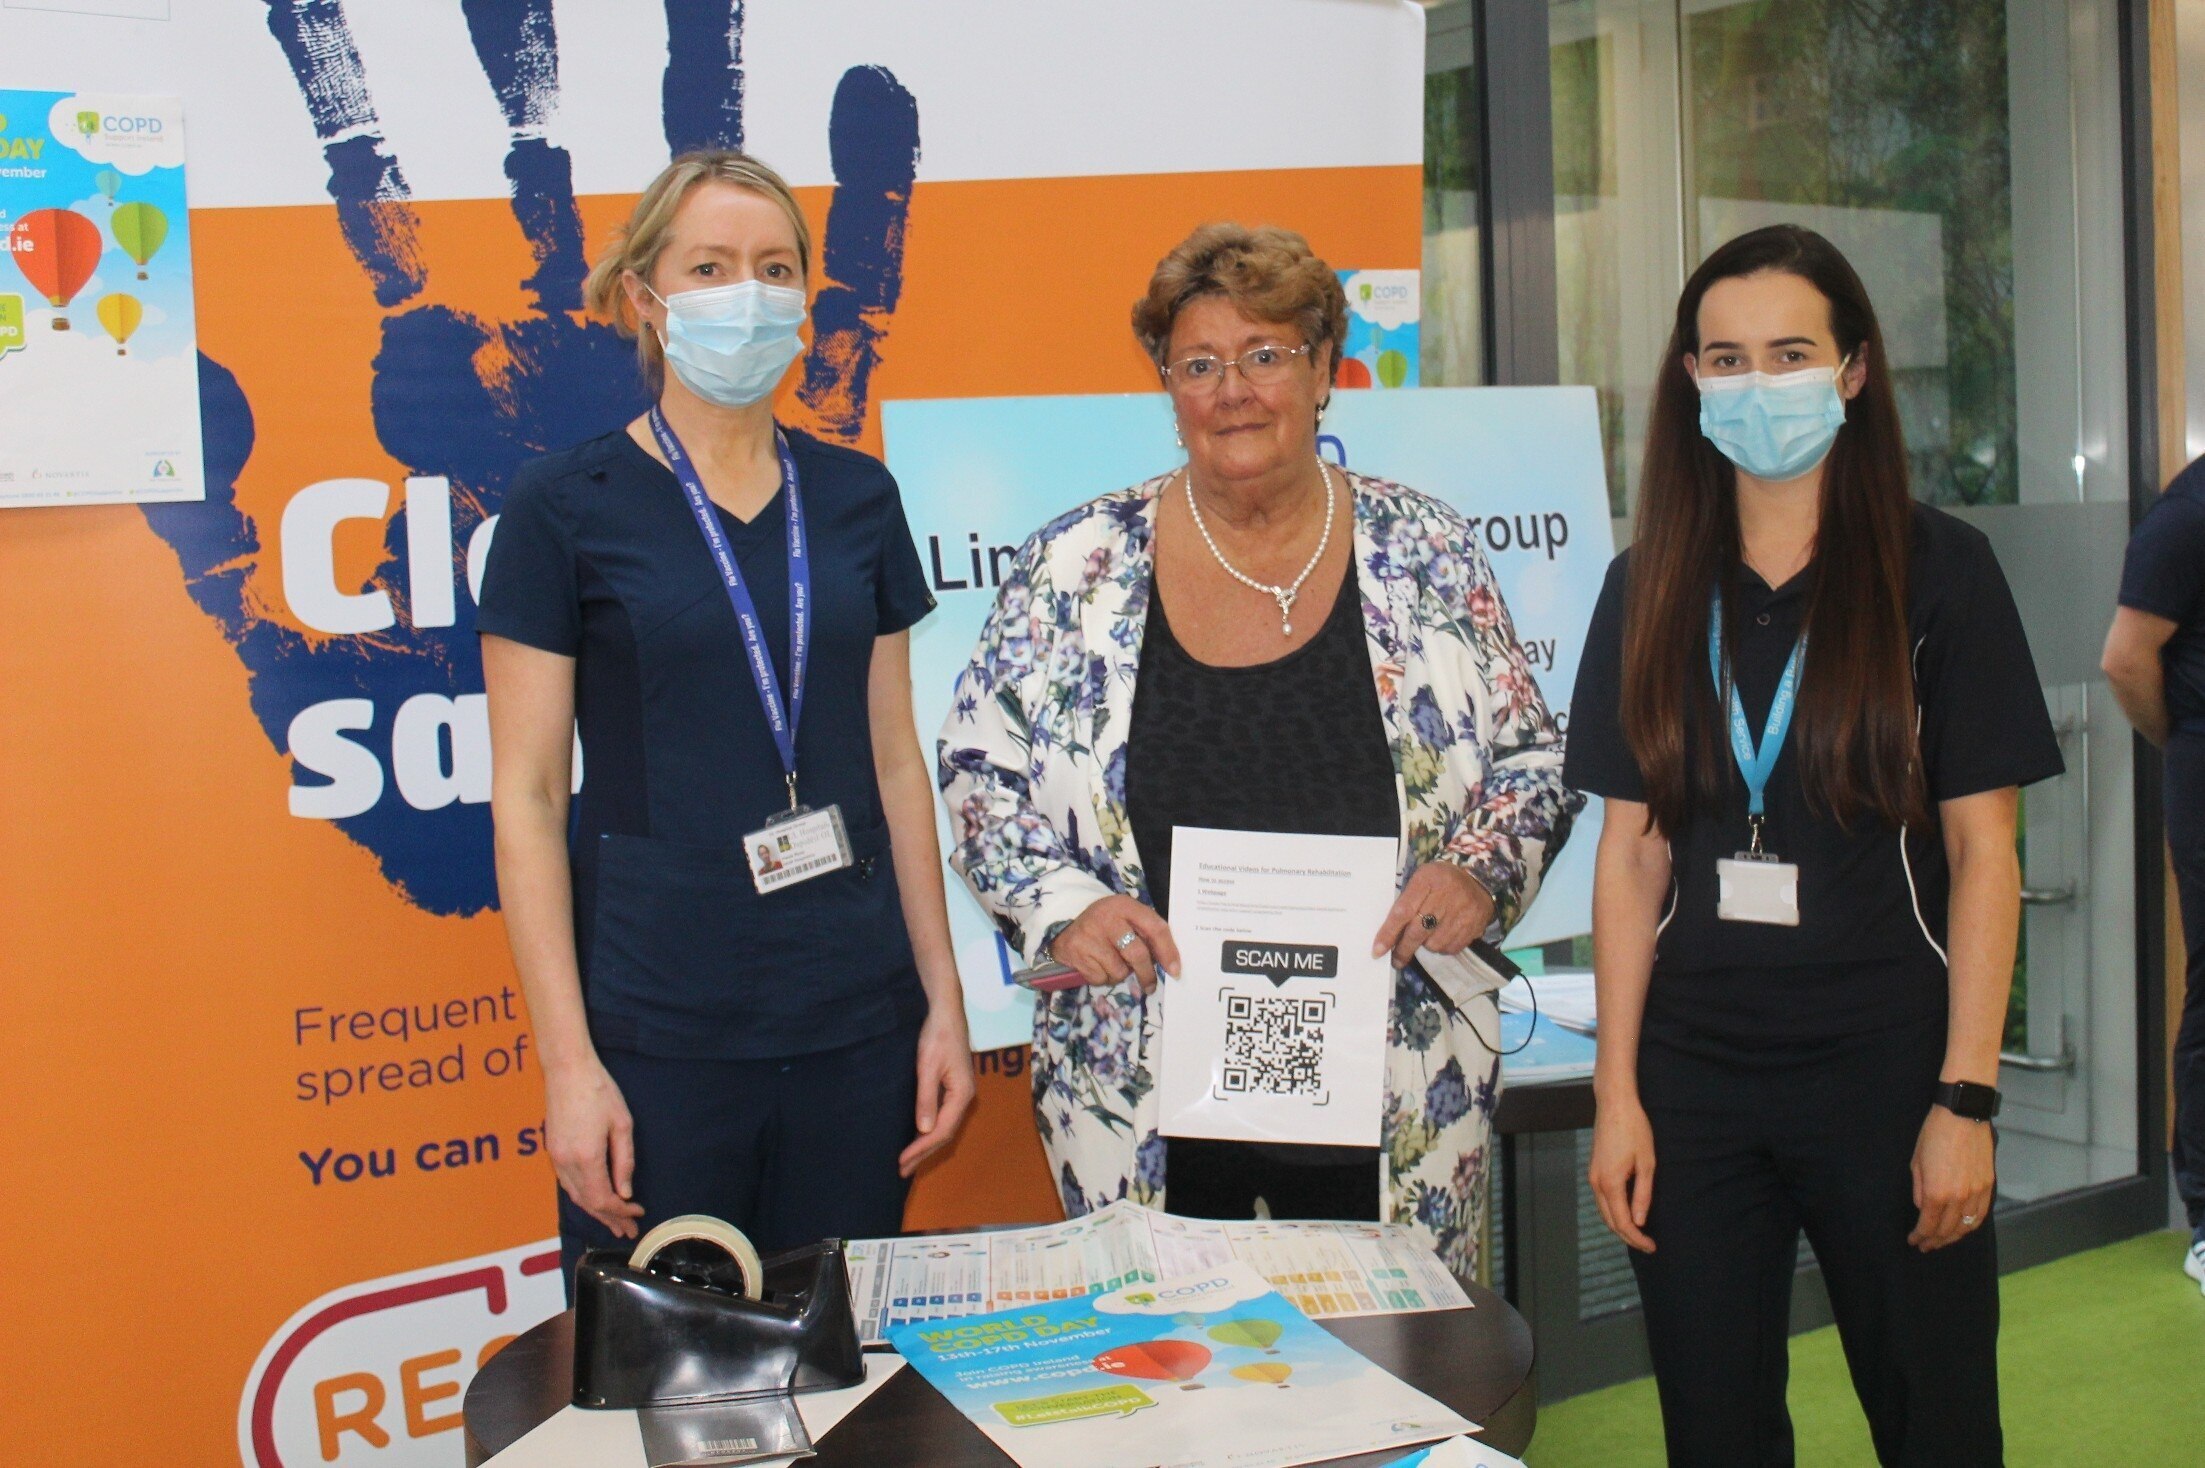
(1279, 962)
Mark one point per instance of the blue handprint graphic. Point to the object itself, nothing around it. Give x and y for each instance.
(465, 399)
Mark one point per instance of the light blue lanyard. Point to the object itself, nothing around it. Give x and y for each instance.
(1755, 765)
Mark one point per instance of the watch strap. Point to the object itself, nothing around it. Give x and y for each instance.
(1966, 1098)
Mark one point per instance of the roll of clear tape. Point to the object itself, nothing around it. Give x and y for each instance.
(710, 1230)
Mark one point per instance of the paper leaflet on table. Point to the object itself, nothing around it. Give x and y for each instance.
(1275, 1028)
(1533, 1051)
(1210, 1370)
(1565, 996)
(1457, 1452)
(1325, 1268)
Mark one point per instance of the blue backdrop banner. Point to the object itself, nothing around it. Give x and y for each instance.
(979, 475)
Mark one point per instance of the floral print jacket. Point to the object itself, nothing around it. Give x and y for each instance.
(1032, 766)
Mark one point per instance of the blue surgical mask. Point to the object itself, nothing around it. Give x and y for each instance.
(729, 344)
(1774, 426)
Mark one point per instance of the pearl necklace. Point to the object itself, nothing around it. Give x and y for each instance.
(1283, 595)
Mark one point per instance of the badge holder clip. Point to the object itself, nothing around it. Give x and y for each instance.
(1753, 886)
(798, 844)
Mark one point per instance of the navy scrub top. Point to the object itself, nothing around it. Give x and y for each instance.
(597, 557)
(2164, 574)
(1860, 958)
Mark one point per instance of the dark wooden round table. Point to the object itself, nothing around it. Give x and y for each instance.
(1477, 1361)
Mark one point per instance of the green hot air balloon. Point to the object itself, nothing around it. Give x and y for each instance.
(109, 183)
(1256, 1334)
(139, 229)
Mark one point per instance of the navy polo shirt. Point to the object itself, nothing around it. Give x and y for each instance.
(2164, 574)
(1861, 957)
(597, 557)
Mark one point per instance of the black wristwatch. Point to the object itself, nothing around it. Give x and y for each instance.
(1966, 1098)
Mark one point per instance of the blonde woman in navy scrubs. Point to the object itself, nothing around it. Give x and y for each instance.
(734, 944)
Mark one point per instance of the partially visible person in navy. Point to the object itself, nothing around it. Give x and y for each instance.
(720, 608)
(2155, 662)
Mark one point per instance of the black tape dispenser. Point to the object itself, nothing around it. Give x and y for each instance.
(710, 1342)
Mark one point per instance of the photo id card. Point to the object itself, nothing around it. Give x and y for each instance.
(1755, 888)
(797, 847)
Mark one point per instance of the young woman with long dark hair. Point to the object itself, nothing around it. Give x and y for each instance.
(1810, 706)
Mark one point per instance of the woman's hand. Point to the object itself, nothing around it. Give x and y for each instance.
(1117, 939)
(592, 1144)
(945, 1084)
(1622, 1171)
(1955, 1171)
(1438, 890)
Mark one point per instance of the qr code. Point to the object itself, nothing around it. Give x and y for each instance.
(1274, 1045)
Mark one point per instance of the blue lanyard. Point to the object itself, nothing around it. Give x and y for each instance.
(1755, 764)
(781, 717)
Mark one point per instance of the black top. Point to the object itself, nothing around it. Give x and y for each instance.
(1295, 746)
(2165, 575)
(1861, 957)
(598, 558)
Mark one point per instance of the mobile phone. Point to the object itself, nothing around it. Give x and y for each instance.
(1048, 978)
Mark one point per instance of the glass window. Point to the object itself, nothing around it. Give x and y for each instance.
(1966, 156)
(1453, 343)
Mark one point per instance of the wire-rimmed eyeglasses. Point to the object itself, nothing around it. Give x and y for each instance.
(1259, 367)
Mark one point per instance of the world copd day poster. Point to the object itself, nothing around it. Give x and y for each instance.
(99, 369)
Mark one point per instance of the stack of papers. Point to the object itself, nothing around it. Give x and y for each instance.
(1325, 1269)
(1565, 996)
(1200, 1372)
(1457, 1452)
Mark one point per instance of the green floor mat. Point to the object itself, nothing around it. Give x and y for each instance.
(2101, 1360)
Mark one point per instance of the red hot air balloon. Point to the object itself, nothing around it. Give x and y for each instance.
(1179, 1361)
(56, 249)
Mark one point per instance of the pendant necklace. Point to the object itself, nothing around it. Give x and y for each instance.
(1283, 595)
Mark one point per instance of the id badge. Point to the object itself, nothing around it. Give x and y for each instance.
(796, 847)
(1753, 887)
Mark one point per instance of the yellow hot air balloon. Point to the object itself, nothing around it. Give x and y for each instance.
(120, 314)
(139, 229)
(1269, 1373)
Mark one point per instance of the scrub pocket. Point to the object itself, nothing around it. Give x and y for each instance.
(688, 955)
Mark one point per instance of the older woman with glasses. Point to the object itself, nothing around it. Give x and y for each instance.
(1255, 641)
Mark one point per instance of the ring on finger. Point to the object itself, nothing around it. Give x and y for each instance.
(1127, 940)
(1968, 1220)
(1429, 921)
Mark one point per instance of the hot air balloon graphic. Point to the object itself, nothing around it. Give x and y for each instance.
(109, 183)
(139, 229)
(1253, 1332)
(1179, 1361)
(1270, 1373)
(56, 249)
(120, 314)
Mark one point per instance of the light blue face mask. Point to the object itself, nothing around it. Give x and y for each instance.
(729, 344)
(1775, 426)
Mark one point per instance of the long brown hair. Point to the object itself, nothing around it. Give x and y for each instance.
(1854, 732)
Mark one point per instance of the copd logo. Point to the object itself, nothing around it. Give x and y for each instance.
(371, 1375)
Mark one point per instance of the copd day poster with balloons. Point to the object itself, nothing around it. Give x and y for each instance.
(1199, 1372)
(99, 360)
